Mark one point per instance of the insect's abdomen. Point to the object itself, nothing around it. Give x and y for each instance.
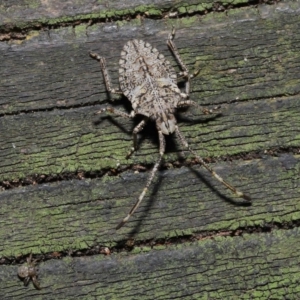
(146, 77)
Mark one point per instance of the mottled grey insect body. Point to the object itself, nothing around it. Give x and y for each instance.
(28, 272)
(149, 81)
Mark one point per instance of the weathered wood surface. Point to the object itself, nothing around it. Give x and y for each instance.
(76, 214)
(262, 266)
(37, 13)
(258, 83)
(63, 141)
(49, 91)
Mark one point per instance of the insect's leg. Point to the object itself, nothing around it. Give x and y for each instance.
(105, 73)
(26, 281)
(185, 71)
(136, 130)
(109, 89)
(162, 147)
(116, 112)
(36, 283)
(186, 103)
(174, 50)
(29, 258)
(208, 168)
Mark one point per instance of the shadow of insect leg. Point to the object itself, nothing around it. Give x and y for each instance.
(208, 168)
(162, 148)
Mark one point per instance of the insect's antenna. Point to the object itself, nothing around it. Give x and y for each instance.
(208, 168)
(162, 147)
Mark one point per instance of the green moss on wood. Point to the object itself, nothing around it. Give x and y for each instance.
(75, 214)
(257, 266)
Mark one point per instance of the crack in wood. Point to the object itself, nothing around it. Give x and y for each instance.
(190, 162)
(130, 244)
(12, 31)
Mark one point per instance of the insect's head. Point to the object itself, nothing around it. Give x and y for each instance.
(166, 124)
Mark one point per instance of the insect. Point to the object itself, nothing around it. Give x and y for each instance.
(149, 81)
(28, 271)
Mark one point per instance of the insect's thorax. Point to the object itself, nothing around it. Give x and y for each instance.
(150, 83)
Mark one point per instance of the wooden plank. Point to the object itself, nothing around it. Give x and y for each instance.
(53, 69)
(26, 14)
(264, 266)
(59, 142)
(87, 148)
(49, 90)
(81, 213)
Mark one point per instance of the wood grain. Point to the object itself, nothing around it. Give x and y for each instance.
(77, 214)
(28, 14)
(249, 267)
(69, 183)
